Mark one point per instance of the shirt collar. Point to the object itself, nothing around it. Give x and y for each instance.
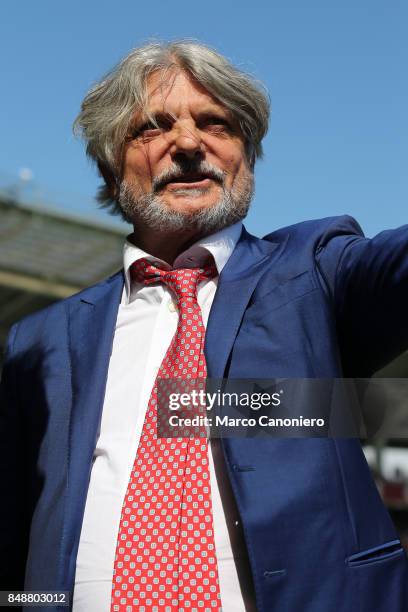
(220, 245)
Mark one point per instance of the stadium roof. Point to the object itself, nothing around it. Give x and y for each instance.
(46, 255)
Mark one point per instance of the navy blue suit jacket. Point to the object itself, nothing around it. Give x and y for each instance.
(316, 299)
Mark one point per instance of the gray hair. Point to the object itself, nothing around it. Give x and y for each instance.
(108, 108)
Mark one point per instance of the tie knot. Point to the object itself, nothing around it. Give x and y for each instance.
(182, 282)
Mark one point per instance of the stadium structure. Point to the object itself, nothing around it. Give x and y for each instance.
(46, 255)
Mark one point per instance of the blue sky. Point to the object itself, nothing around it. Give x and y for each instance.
(336, 73)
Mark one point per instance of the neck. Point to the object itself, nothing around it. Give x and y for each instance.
(165, 246)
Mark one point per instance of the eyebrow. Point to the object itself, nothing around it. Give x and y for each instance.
(201, 113)
(155, 115)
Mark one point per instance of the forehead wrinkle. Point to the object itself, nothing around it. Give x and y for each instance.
(163, 89)
(157, 95)
(166, 76)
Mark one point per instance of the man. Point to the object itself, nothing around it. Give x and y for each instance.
(286, 524)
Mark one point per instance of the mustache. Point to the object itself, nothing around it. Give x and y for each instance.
(178, 171)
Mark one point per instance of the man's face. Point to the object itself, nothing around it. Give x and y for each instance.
(192, 160)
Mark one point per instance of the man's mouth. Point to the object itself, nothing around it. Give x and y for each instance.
(189, 181)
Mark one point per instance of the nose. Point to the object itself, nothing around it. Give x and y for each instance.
(186, 143)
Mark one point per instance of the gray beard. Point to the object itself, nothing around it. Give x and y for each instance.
(152, 212)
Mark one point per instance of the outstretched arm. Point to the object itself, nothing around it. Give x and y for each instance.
(368, 279)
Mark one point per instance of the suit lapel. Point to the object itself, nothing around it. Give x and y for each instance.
(236, 284)
(92, 321)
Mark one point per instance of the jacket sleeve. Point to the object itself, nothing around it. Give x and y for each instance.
(13, 508)
(368, 280)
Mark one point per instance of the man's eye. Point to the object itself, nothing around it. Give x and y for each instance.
(217, 120)
(216, 123)
(150, 129)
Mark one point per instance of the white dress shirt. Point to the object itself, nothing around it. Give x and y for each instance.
(146, 322)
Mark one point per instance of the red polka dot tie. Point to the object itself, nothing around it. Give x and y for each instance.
(165, 556)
